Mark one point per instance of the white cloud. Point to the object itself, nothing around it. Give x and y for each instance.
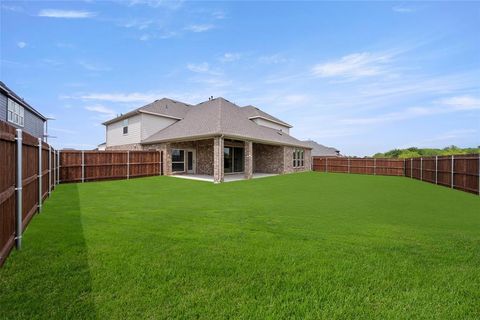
(117, 97)
(352, 66)
(199, 68)
(144, 37)
(199, 27)
(93, 67)
(403, 9)
(169, 4)
(461, 102)
(219, 14)
(273, 59)
(230, 57)
(66, 14)
(107, 112)
(21, 44)
(138, 24)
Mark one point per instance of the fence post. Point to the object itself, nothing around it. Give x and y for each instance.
(40, 196)
(83, 166)
(436, 169)
(452, 173)
(58, 165)
(128, 164)
(54, 167)
(160, 162)
(49, 169)
(326, 164)
(479, 174)
(421, 168)
(411, 167)
(348, 164)
(18, 189)
(374, 166)
(404, 167)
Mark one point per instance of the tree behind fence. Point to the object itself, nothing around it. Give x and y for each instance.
(459, 172)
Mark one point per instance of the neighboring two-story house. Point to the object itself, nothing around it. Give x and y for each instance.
(18, 113)
(213, 138)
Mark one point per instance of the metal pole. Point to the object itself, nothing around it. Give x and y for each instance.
(326, 164)
(128, 164)
(374, 166)
(411, 167)
(83, 166)
(348, 164)
(49, 169)
(54, 167)
(404, 167)
(436, 169)
(421, 168)
(18, 225)
(452, 173)
(58, 166)
(40, 196)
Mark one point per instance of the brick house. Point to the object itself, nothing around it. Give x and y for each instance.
(215, 138)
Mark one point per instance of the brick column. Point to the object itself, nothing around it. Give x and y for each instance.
(248, 159)
(167, 159)
(218, 160)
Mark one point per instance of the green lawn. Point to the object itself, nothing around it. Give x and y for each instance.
(303, 246)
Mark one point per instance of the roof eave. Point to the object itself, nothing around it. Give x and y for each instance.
(271, 120)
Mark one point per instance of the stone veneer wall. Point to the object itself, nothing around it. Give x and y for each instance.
(267, 158)
(288, 151)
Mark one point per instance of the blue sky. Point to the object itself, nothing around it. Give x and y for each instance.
(364, 77)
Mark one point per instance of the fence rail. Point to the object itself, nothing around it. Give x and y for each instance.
(83, 166)
(460, 172)
(27, 177)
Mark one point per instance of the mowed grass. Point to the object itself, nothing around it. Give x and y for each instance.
(300, 246)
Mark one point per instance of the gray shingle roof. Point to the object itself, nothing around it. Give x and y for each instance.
(221, 117)
(254, 112)
(165, 107)
(320, 150)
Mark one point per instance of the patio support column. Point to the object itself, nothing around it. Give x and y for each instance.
(167, 159)
(248, 159)
(218, 160)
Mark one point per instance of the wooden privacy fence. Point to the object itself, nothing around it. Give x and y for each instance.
(460, 172)
(28, 174)
(83, 166)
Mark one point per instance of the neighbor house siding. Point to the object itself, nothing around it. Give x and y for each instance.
(273, 125)
(3, 107)
(152, 124)
(32, 123)
(115, 136)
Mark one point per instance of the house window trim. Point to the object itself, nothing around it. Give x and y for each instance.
(298, 158)
(15, 113)
(183, 162)
(125, 126)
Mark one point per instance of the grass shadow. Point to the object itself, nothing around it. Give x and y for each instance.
(50, 276)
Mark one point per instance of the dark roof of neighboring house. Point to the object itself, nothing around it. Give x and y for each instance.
(164, 107)
(321, 150)
(221, 117)
(9, 92)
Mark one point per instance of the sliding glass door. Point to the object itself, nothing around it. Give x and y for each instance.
(233, 159)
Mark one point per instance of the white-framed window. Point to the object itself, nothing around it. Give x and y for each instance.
(178, 160)
(125, 126)
(15, 113)
(298, 158)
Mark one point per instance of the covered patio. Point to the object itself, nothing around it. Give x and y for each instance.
(227, 178)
